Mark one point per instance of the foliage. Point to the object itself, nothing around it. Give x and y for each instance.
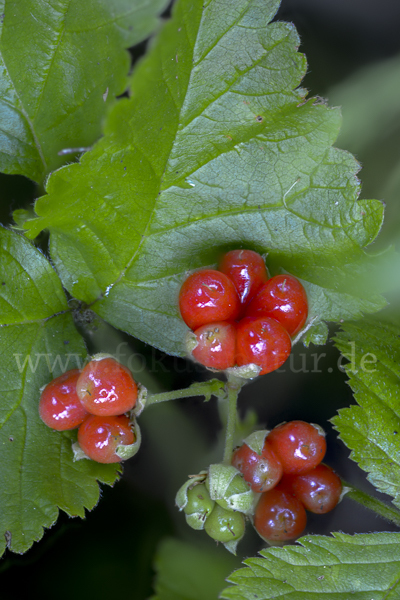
(340, 566)
(38, 342)
(60, 66)
(371, 429)
(156, 196)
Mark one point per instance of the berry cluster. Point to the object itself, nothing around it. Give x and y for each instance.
(95, 400)
(291, 479)
(274, 478)
(239, 315)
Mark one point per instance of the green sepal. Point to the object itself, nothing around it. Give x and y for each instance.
(127, 451)
(231, 546)
(249, 371)
(78, 452)
(190, 343)
(255, 441)
(141, 400)
(317, 334)
(228, 488)
(181, 498)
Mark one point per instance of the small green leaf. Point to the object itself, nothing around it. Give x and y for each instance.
(372, 429)
(188, 572)
(61, 65)
(217, 148)
(38, 341)
(360, 567)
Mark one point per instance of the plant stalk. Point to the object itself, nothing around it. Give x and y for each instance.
(233, 388)
(383, 510)
(213, 387)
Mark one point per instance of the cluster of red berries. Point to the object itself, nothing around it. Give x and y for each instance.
(239, 315)
(95, 399)
(291, 479)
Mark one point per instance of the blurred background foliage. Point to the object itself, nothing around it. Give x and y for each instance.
(353, 52)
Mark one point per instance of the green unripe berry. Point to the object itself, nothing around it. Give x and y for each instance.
(225, 525)
(199, 501)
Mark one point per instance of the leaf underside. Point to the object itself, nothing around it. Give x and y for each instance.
(360, 567)
(372, 429)
(61, 65)
(38, 341)
(217, 148)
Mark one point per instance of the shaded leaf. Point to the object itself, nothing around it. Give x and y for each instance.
(360, 567)
(217, 149)
(372, 429)
(38, 341)
(61, 65)
(188, 572)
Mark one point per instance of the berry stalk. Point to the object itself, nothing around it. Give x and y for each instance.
(377, 506)
(213, 387)
(233, 387)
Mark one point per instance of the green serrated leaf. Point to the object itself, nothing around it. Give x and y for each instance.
(216, 149)
(360, 567)
(372, 429)
(38, 341)
(188, 572)
(61, 65)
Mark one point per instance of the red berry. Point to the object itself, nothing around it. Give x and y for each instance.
(99, 437)
(206, 297)
(216, 345)
(247, 271)
(263, 472)
(284, 299)
(299, 446)
(59, 405)
(279, 516)
(318, 490)
(105, 387)
(263, 342)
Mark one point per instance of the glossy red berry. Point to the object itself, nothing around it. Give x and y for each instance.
(262, 472)
(208, 296)
(247, 270)
(263, 342)
(59, 405)
(279, 516)
(318, 490)
(106, 388)
(300, 446)
(216, 345)
(284, 299)
(99, 437)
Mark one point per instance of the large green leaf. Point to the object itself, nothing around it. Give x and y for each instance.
(372, 429)
(61, 64)
(38, 341)
(360, 567)
(213, 151)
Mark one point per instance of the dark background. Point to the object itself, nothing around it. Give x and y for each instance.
(111, 551)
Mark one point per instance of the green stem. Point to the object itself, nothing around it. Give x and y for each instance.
(379, 507)
(233, 388)
(213, 387)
